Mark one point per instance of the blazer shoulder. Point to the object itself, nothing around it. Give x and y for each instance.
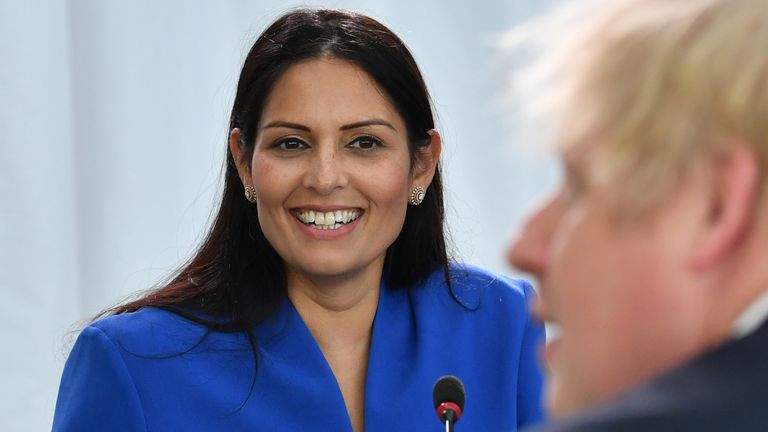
(150, 330)
(471, 287)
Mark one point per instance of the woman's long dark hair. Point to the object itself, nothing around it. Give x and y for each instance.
(236, 275)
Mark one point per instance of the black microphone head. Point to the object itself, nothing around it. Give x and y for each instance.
(448, 388)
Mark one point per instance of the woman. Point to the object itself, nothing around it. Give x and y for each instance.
(322, 298)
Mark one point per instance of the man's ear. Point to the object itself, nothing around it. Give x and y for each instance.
(235, 147)
(426, 161)
(735, 187)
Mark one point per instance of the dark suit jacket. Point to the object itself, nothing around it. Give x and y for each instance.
(723, 390)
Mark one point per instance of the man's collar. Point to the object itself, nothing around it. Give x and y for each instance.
(751, 318)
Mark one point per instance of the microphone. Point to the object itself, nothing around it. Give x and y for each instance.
(448, 396)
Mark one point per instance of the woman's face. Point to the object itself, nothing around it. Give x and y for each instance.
(331, 169)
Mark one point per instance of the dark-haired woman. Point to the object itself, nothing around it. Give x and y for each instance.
(322, 299)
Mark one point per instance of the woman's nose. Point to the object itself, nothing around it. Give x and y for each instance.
(326, 172)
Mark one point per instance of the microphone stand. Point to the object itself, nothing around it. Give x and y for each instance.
(449, 417)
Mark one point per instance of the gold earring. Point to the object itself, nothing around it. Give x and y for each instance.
(417, 195)
(250, 194)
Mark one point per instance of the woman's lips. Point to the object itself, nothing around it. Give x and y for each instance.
(327, 225)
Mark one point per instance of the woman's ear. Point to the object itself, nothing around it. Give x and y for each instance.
(426, 160)
(735, 184)
(236, 150)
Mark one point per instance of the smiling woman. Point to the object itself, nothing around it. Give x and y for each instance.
(323, 297)
(344, 150)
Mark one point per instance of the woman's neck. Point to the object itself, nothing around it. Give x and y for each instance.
(339, 313)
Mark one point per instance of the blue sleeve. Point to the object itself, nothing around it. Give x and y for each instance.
(97, 391)
(530, 381)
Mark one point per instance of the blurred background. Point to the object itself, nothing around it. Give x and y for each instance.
(113, 129)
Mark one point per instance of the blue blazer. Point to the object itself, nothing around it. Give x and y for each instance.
(153, 370)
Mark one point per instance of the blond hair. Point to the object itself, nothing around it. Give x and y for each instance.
(649, 86)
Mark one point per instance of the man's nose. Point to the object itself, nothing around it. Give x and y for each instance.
(529, 252)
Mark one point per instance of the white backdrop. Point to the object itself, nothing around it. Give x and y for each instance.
(113, 128)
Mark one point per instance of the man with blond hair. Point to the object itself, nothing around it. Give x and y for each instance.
(652, 258)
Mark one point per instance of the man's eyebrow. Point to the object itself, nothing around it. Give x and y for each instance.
(285, 124)
(369, 122)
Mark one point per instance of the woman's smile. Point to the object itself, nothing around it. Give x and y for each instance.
(327, 224)
(326, 220)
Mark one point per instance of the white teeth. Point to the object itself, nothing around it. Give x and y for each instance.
(327, 220)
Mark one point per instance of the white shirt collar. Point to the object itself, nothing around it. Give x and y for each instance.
(751, 318)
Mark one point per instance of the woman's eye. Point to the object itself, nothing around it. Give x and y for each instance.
(290, 144)
(365, 143)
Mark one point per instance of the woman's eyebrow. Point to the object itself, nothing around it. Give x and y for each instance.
(355, 125)
(285, 124)
(370, 122)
